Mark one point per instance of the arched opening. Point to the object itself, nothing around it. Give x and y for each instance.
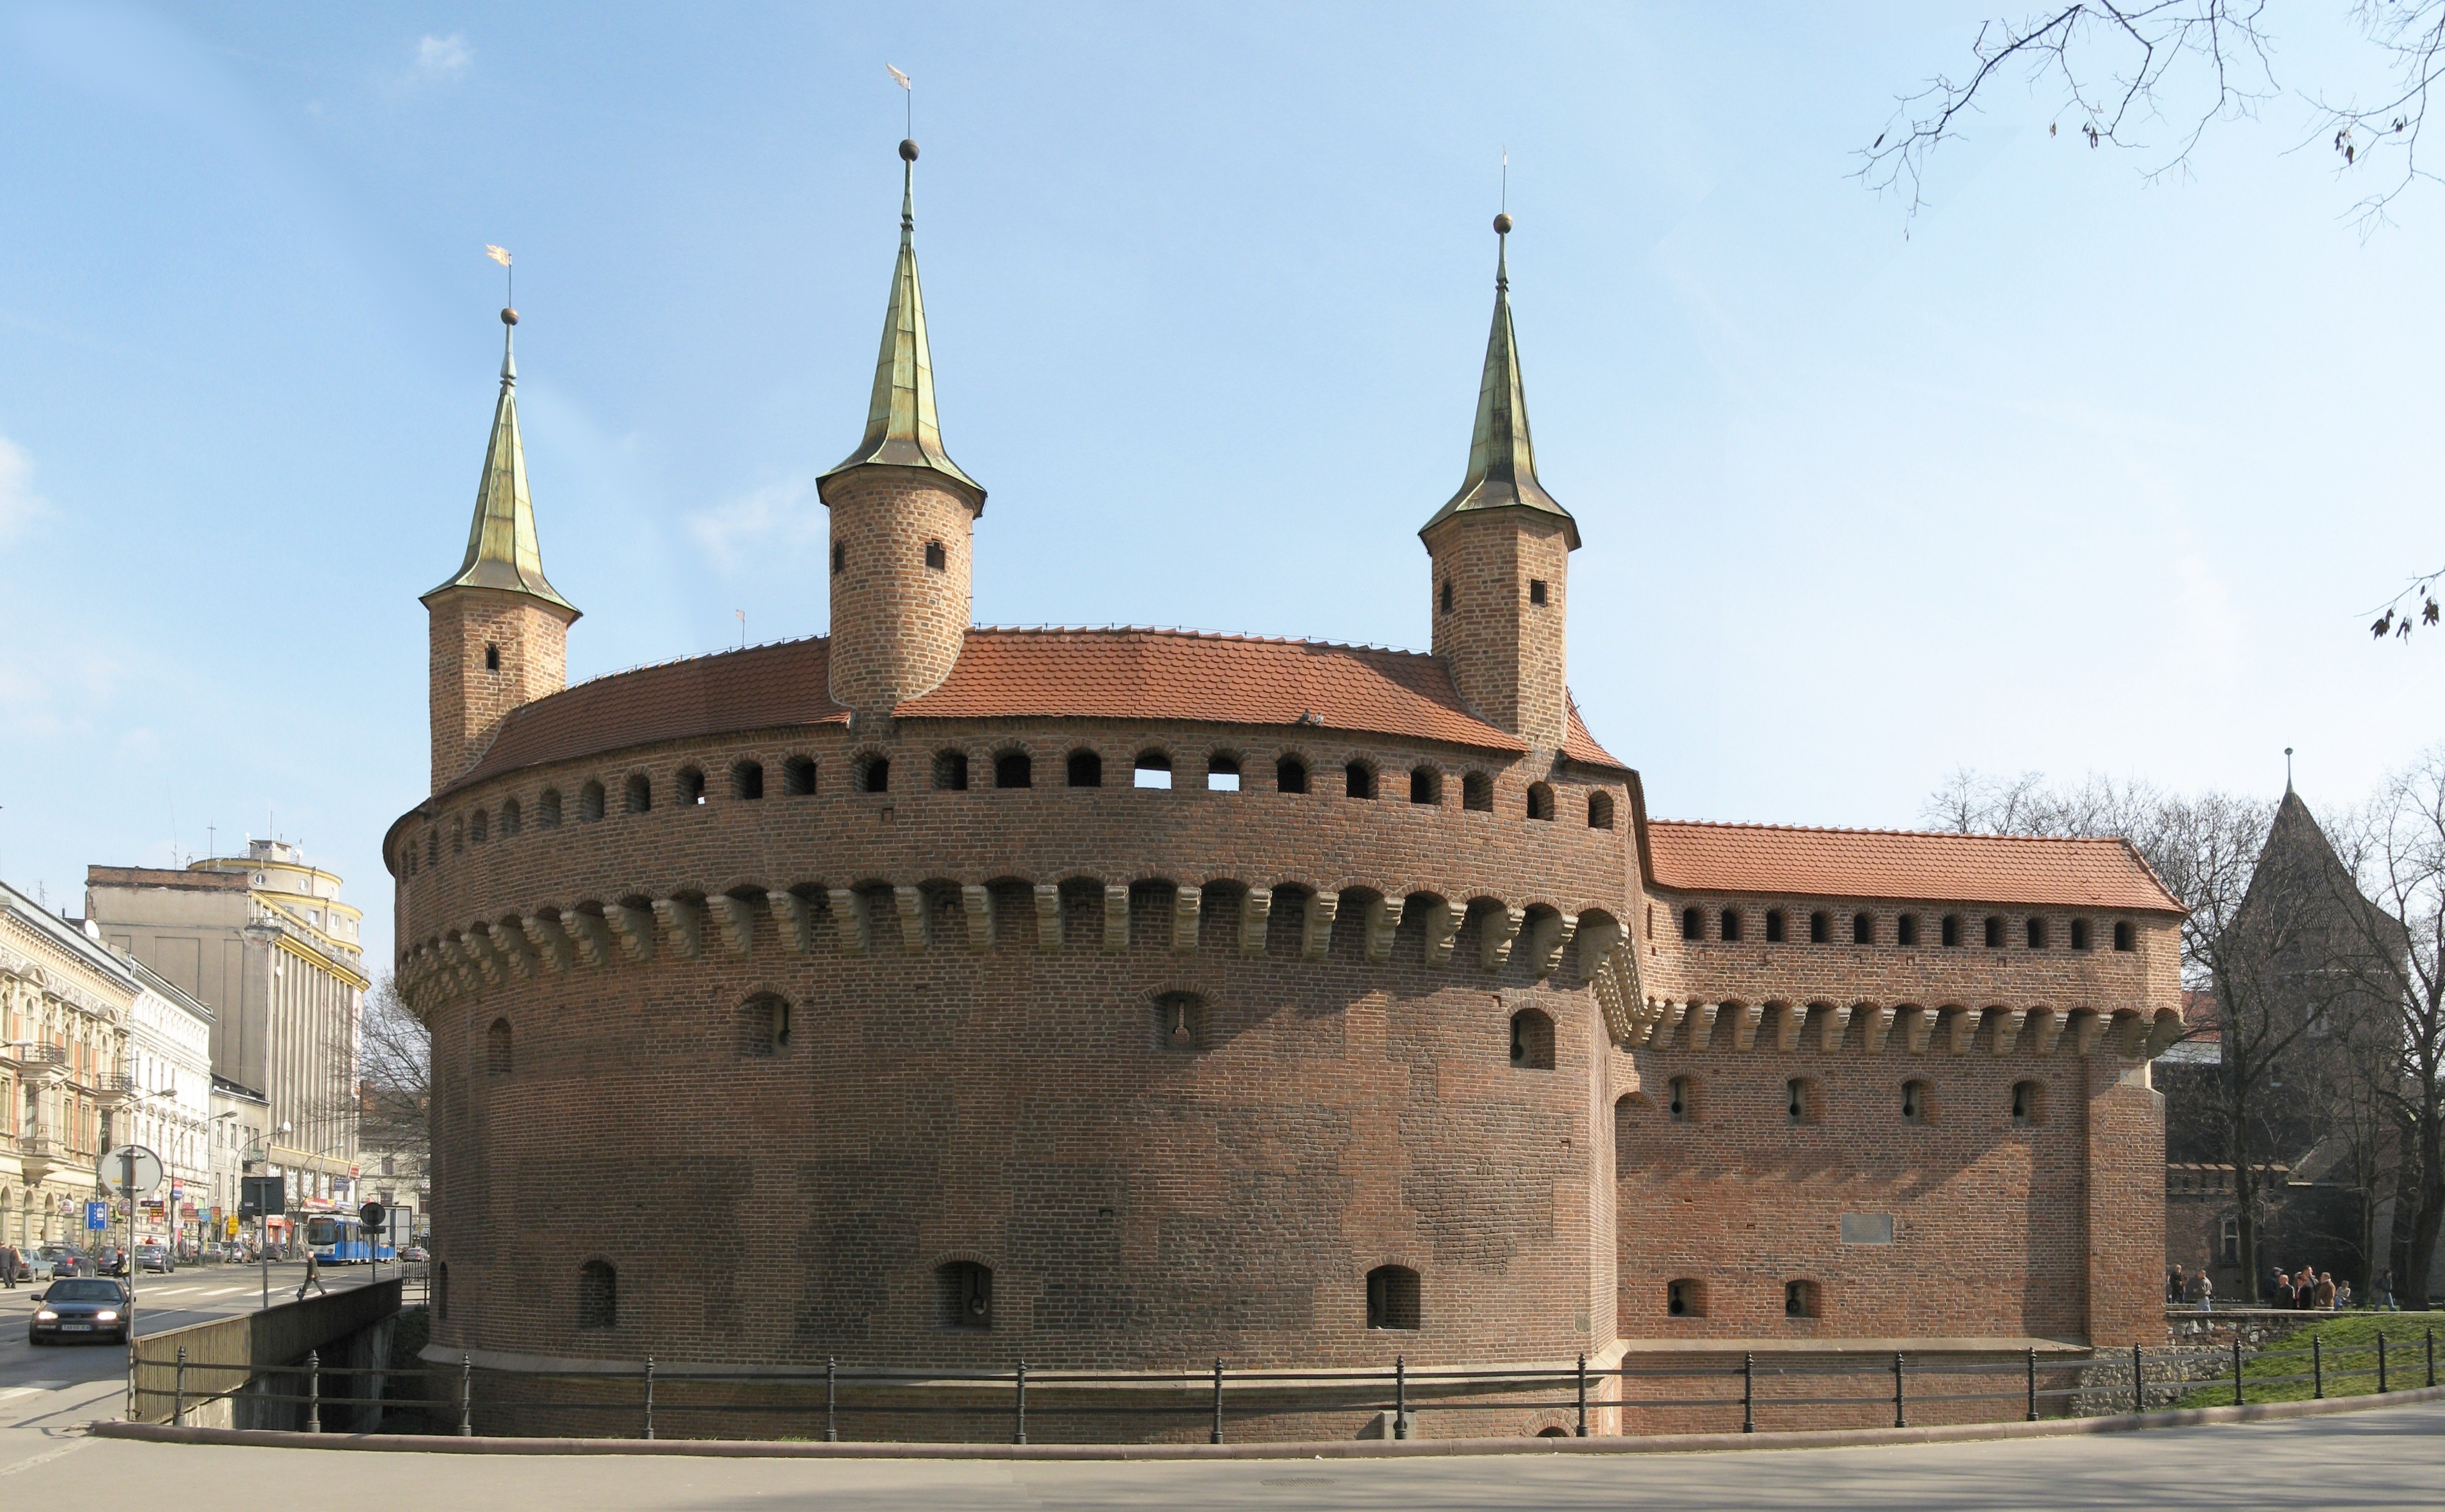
(1729, 922)
(1600, 810)
(598, 1295)
(1180, 1022)
(1289, 775)
(479, 826)
(1477, 792)
(1223, 773)
(950, 771)
(965, 1289)
(1952, 935)
(2122, 935)
(691, 786)
(2079, 934)
(1686, 1297)
(1554, 1432)
(1774, 930)
(1800, 1298)
(1693, 924)
(1014, 769)
(1906, 929)
(491, 658)
(1800, 1101)
(1863, 929)
(747, 781)
(1425, 785)
(1152, 768)
(1085, 770)
(2029, 1103)
(1392, 1298)
(798, 777)
(1820, 927)
(936, 557)
(764, 1025)
(2035, 932)
(873, 774)
(840, 557)
(1359, 780)
(1681, 1099)
(512, 820)
(1532, 1039)
(1540, 801)
(1917, 1102)
(638, 796)
(1994, 932)
(547, 808)
(1444, 596)
(496, 1048)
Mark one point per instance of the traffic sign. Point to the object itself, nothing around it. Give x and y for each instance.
(97, 1216)
(114, 1170)
(371, 1216)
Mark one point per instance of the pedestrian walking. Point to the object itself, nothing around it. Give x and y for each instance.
(9, 1265)
(2323, 1290)
(2206, 1293)
(2385, 1292)
(314, 1276)
(2173, 1281)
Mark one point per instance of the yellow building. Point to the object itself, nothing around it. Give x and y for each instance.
(65, 1004)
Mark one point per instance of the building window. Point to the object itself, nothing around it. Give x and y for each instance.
(2228, 1240)
(1085, 770)
(1443, 596)
(967, 1292)
(1686, 1297)
(1392, 1298)
(510, 820)
(2079, 934)
(1915, 1102)
(840, 556)
(1600, 810)
(1289, 775)
(1359, 780)
(747, 781)
(1774, 927)
(1477, 792)
(491, 658)
(1906, 929)
(1950, 933)
(598, 1295)
(2028, 1102)
(1425, 785)
(1153, 770)
(691, 786)
(873, 774)
(1681, 1100)
(934, 556)
(1995, 933)
(2121, 936)
(1180, 1022)
(479, 826)
(1221, 773)
(1532, 1040)
(1730, 923)
(950, 771)
(1692, 924)
(1540, 801)
(639, 797)
(1800, 1298)
(496, 1048)
(2037, 934)
(1820, 927)
(1798, 1101)
(1863, 929)
(765, 1027)
(1536, 590)
(1014, 769)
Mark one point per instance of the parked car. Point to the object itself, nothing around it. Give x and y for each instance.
(108, 1260)
(82, 1308)
(55, 1261)
(415, 1255)
(155, 1258)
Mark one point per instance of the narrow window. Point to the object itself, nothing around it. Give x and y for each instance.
(1392, 1298)
(1863, 929)
(1914, 1109)
(496, 1048)
(1995, 933)
(1774, 927)
(2079, 934)
(1685, 1298)
(1906, 929)
(747, 781)
(950, 771)
(511, 819)
(547, 808)
(1540, 801)
(967, 1291)
(479, 826)
(1730, 923)
(441, 1289)
(2037, 934)
(873, 774)
(1477, 792)
(1221, 773)
(1536, 590)
(1289, 775)
(934, 556)
(639, 797)
(1692, 926)
(492, 659)
(1014, 769)
(1532, 1040)
(598, 1295)
(2121, 935)
(1180, 1022)
(691, 786)
(1425, 785)
(764, 1026)
(590, 802)
(1820, 927)
(1085, 770)
(2029, 1103)
(1951, 934)
(1798, 1101)
(1681, 1100)
(1444, 596)
(1600, 810)
(840, 556)
(2229, 1239)
(798, 777)
(1359, 780)
(1153, 770)
(1800, 1298)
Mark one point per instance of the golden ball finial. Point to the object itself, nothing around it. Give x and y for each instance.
(1502, 225)
(509, 317)
(907, 151)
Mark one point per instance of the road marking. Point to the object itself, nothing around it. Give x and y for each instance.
(30, 1388)
(69, 1448)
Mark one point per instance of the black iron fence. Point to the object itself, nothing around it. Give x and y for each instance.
(1742, 1396)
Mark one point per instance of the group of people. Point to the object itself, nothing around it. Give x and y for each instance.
(2197, 1289)
(2305, 1290)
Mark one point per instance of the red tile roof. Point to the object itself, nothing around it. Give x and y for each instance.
(1578, 745)
(1903, 864)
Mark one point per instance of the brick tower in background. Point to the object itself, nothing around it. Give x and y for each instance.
(1502, 550)
(904, 516)
(497, 630)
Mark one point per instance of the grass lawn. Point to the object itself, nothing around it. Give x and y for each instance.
(2348, 1343)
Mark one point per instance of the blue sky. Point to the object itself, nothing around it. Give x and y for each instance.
(2083, 473)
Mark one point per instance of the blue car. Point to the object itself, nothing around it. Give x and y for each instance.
(82, 1308)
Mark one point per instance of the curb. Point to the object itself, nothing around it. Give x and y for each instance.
(1330, 1449)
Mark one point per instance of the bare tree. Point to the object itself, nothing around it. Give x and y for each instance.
(396, 1076)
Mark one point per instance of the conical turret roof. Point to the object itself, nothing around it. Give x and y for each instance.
(501, 549)
(1502, 460)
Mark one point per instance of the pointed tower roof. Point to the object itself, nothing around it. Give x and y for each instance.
(1502, 460)
(501, 550)
(902, 429)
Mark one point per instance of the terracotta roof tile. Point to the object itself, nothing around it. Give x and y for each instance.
(1578, 745)
(1903, 864)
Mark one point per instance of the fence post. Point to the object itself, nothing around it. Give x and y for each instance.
(1400, 1397)
(2381, 1360)
(313, 1390)
(1019, 1432)
(2237, 1366)
(466, 1395)
(1583, 1393)
(1898, 1421)
(179, 1395)
(2317, 1367)
(1216, 1437)
(831, 1399)
(2432, 1354)
(649, 1396)
(1748, 1392)
(2033, 1384)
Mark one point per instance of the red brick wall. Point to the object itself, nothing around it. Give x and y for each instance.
(469, 700)
(1508, 655)
(896, 625)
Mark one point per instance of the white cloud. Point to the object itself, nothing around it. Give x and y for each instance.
(779, 518)
(443, 57)
(18, 502)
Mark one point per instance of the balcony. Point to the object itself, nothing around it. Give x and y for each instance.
(39, 1156)
(113, 1089)
(40, 1063)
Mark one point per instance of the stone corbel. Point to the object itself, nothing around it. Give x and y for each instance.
(635, 928)
(1494, 937)
(509, 938)
(736, 917)
(1317, 934)
(2045, 1026)
(1117, 918)
(1660, 1037)
(1787, 1028)
(1186, 904)
(1255, 911)
(2008, 1025)
(593, 932)
(2130, 1035)
(977, 902)
(2085, 1026)
(1442, 926)
(551, 940)
(1702, 1023)
(1048, 916)
(1383, 924)
(1831, 1028)
(2161, 1038)
(479, 942)
(911, 903)
(460, 961)
(852, 923)
(795, 913)
(1874, 1029)
(1917, 1023)
(1961, 1027)
(1548, 939)
(1744, 1028)
(684, 919)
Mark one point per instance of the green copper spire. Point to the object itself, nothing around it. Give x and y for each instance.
(902, 429)
(501, 550)
(1501, 461)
